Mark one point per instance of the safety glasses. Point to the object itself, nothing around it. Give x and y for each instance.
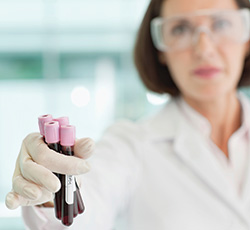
(183, 31)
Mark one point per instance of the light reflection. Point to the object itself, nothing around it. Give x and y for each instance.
(80, 96)
(157, 99)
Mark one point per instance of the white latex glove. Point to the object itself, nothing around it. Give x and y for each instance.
(33, 182)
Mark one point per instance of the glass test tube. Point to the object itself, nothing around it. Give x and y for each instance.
(67, 134)
(65, 121)
(51, 130)
(78, 203)
(67, 142)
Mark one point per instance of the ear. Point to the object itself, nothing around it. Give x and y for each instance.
(162, 58)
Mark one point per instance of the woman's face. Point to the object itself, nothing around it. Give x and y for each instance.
(205, 70)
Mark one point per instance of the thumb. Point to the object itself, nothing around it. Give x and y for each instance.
(84, 148)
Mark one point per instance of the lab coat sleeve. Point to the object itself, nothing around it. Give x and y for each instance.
(106, 189)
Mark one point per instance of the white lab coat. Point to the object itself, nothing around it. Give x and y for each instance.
(156, 174)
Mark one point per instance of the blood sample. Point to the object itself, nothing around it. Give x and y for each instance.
(67, 141)
(65, 121)
(78, 203)
(51, 130)
(68, 200)
(67, 144)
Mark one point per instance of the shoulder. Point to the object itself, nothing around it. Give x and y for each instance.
(164, 123)
(169, 111)
(160, 123)
(124, 129)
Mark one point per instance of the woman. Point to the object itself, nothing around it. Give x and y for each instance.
(186, 167)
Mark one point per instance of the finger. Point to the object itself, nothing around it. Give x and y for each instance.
(46, 197)
(52, 160)
(13, 200)
(17, 168)
(38, 174)
(26, 189)
(84, 148)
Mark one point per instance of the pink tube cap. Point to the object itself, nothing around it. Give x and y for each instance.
(51, 130)
(42, 120)
(62, 120)
(68, 135)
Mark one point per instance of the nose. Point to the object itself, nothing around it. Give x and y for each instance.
(203, 44)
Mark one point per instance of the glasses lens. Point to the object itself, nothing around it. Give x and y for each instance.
(228, 26)
(177, 33)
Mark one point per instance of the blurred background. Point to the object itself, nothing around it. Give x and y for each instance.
(66, 58)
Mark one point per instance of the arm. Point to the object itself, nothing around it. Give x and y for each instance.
(105, 189)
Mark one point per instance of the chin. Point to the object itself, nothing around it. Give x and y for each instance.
(214, 94)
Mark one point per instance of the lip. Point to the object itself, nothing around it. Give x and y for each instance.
(206, 72)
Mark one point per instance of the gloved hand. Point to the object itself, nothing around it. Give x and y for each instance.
(33, 182)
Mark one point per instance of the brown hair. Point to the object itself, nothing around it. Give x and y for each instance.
(153, 73)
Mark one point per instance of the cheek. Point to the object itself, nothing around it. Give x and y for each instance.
(179, 65)
(233, 59)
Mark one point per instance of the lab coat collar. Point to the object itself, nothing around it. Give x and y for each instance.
(164, 125)
(198, 121)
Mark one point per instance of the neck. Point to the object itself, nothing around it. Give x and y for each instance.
(224, 115)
